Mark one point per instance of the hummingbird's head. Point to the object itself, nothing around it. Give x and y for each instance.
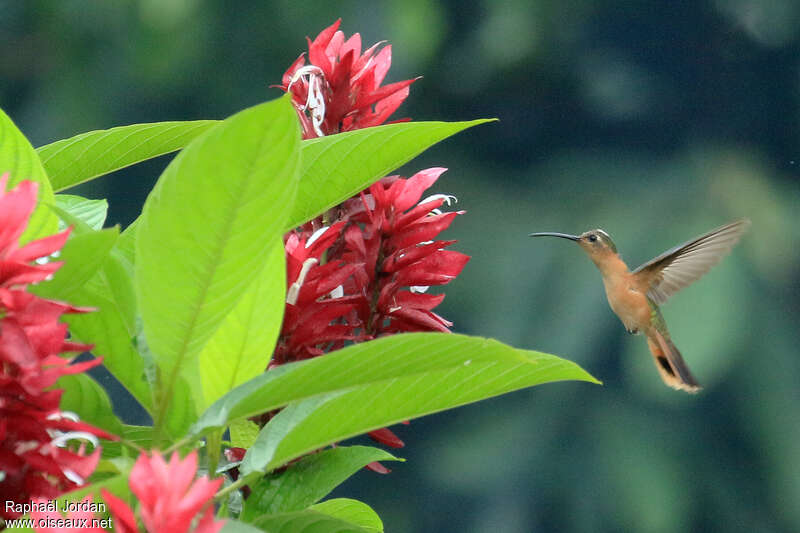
(595, 242)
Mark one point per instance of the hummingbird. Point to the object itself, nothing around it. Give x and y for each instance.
(635, 296)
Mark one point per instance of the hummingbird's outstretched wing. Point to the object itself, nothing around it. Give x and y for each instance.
(679, 267)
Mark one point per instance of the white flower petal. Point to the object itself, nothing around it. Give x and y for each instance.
(61, 440)
(338, 292)
(316, 235)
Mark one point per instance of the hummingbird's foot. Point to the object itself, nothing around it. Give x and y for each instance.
(634, 331)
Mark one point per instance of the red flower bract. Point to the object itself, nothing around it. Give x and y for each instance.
(379, 262)
(35, 461)
(362, 269)
(170, 499)
(340, 88)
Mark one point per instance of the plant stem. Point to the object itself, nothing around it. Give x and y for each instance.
(213, 449)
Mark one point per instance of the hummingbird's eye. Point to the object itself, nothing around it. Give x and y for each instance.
(593, 238)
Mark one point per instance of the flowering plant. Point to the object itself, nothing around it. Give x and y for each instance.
(271, 301)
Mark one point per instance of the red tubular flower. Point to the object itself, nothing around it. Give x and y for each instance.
(367, 274)
(170, 498)
(393, 237)
(340, 88)
(317, 318)
(35, 461)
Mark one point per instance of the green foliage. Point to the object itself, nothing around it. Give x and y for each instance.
(190, 299)
(90, 212)
(83, 255)
(83, 394)
(427, 357)
(78, 159)
(112, 326)
(430, 371)
(353, 511)
(241, 347)
(309, 480)
(309, 521)
(339, 166)
(19, 160)
(243, 433)
(209, 223)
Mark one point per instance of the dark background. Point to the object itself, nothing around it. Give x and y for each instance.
(653, 120)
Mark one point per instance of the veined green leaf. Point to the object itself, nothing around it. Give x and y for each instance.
(334, 167)
(210, 223)
(243, 433)
(78, 159)
(90, 212)
(19, 159)
(309, 480)
(353, 511)
(242, 346)
(338, 166)
(307, 521)
(111, 327)
(306, 425)
(84, 396)
(140, 435)
(379, 361)
(83, 255)
(235, 526)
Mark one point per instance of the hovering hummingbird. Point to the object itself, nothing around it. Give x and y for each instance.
(635, 296)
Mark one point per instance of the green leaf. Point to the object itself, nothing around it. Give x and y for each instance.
(309, 480)
(415, 355)
(353, 511)
(90, 212)
(307, 521)
(486, 369)
(84, 396)
(235, 526)
(139, 435)
(242, 346)
(72, 161)
(213, 219)
(82, 255)
(111, 326)
(243, 433)
(338, 166)
(19, 159)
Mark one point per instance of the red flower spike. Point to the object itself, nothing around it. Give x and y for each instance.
(170, 498)
(406, 256)
(340, 88)
(34, 433)
(366, 275)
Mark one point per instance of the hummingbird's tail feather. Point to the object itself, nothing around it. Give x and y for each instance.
(670, 363)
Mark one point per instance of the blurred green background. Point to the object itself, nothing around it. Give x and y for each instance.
(653, 120)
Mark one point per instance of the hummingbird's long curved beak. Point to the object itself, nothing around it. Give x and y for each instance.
(551, 234)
